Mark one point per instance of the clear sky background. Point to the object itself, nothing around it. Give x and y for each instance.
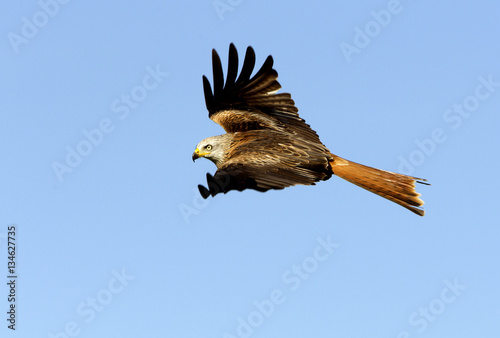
(102, 107)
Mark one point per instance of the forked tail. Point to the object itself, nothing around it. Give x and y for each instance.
(395, 187)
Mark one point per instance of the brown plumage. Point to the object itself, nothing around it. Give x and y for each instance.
(268, 146)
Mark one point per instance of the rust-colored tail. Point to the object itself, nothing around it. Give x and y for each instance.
(395, 187)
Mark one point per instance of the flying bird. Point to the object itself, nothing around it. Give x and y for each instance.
(267, 144)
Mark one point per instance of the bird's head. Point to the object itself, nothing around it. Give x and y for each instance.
(214, 148)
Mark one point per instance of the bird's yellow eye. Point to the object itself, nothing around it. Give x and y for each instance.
(208, 147)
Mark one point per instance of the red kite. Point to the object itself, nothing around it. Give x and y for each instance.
(268, 146)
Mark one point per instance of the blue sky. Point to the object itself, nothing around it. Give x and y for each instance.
(102, 107)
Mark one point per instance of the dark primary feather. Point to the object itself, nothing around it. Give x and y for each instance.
(250, 103)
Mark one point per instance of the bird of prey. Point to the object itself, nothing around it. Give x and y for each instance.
(268, 146)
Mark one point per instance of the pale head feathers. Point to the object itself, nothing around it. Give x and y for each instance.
(214, 148)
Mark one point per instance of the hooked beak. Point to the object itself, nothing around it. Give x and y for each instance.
(196, 154)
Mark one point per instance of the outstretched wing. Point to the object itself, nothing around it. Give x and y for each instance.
(251, 103)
